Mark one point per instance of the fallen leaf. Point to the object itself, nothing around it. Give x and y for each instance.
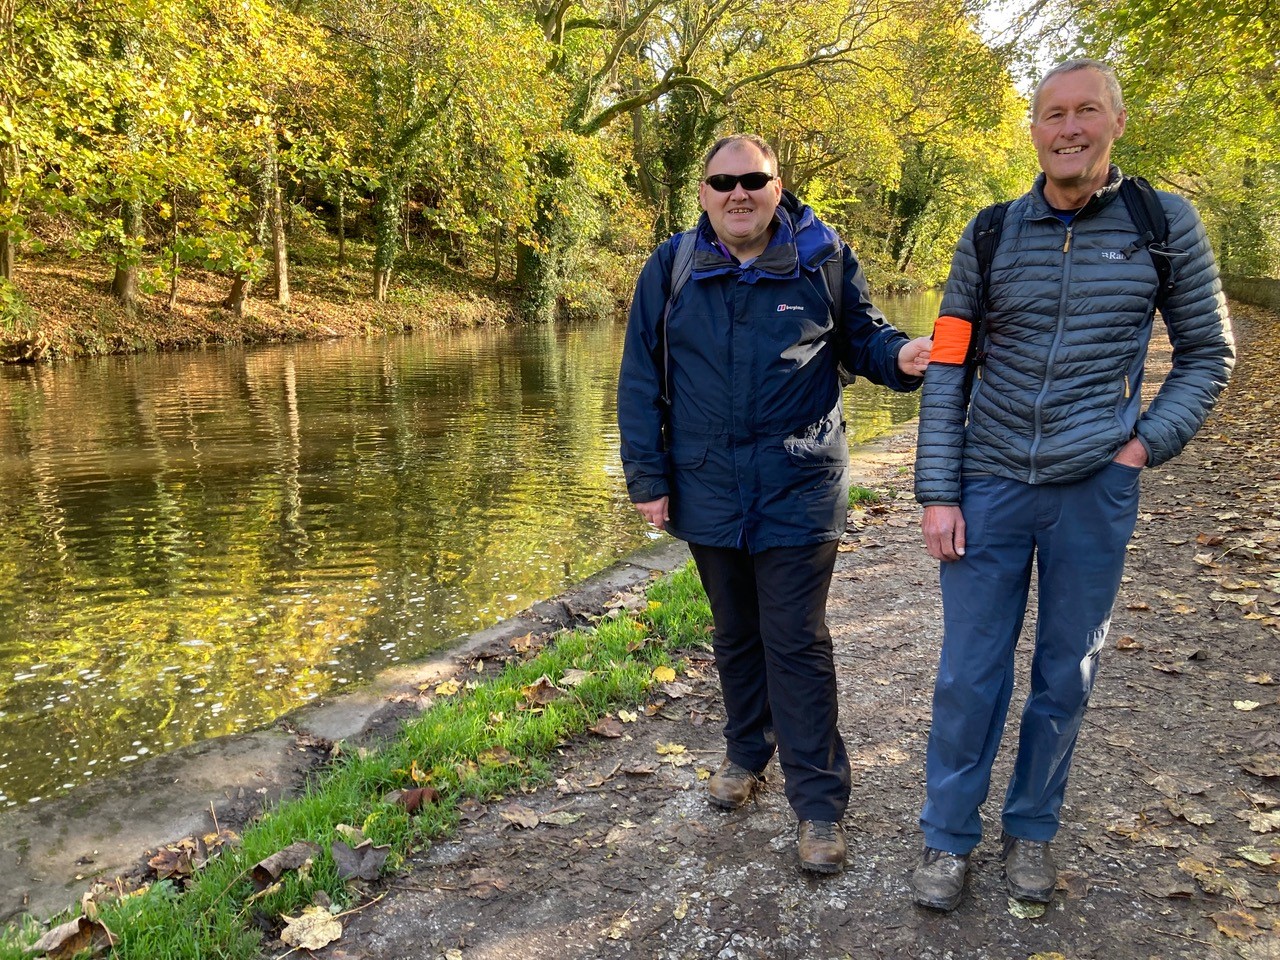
(519, 816)
(486, 883)
(1073, 884)
(353, 835)
(363, 862)
(667, 749)
(68, 939)
(448, 688)
(1169, 883)
(541, 692)
(1236, 924)
(1025, 910)
(1264, 822)
(1263, 765)
(1246, 705)
(1196, 815)
(1262, 679)
(1263, 858)
(1124, 643)
(663, 674)
(628, 716)
(607, 727)
(292, 857)
(574, 678)
(560, 818)
(1046, 956)
(676, 690)
(315, 928)
(414, 798)
(682, 909)
(497, 756)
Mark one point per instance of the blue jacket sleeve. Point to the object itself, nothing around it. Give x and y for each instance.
(641, 412)
(1195, 314)
(869, 344)
(944, 404)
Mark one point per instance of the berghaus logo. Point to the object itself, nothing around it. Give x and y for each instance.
(784, 307)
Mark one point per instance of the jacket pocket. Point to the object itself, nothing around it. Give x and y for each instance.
(688, 455)
(820, 444)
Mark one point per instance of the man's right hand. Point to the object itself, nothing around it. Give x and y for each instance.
(655, 511)
(943, 528)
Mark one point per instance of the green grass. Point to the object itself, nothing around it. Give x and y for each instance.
(216, 914)
(862, 496)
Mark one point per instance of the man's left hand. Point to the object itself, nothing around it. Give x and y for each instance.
(913, 358)
(1132, 454)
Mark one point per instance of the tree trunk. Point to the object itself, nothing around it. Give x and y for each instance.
(342, 227)
(236, 296)
(124, 285)
(279, 244)
(173, 255)
(8, 173)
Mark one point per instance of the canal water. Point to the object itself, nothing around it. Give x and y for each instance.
(194, 544)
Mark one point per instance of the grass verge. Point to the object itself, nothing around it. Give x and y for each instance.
(487, 739)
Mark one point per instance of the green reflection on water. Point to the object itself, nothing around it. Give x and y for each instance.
(194, 544)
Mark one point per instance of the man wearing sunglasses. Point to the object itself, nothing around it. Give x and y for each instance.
(733, 439)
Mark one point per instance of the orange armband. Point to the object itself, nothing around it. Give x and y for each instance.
(951, 337)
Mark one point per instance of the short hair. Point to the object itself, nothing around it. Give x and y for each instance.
(738, 138)
(1109, 79)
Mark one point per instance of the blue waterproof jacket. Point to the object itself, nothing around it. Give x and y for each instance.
(752, 448)
(1069, 316)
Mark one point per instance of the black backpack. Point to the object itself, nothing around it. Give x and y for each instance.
(1147, 214)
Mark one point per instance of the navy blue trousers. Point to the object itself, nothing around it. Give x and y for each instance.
(773, 652)
(1076, 533)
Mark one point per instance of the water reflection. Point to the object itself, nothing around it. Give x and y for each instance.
(193, 544)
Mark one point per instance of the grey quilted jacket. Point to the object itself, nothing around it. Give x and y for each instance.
(1069, 317)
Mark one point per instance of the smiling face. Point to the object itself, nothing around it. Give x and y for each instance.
(1073, 129)
(741, 218)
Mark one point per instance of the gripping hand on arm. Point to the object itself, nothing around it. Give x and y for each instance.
(913, 358)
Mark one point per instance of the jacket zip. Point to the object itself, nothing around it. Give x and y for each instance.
(1038, 433)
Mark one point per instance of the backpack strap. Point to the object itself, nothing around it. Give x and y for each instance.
(681, 270)
(833, 275)
(987, 227)
(1148, 216)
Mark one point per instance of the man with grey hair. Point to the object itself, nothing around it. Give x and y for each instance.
(733, 439)
(1031, 449)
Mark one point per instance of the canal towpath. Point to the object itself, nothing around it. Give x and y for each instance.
(1166, 850)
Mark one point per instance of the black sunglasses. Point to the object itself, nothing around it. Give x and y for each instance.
(724, 182)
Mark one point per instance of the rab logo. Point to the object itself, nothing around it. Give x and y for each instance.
(1114, 255)
(784, 307)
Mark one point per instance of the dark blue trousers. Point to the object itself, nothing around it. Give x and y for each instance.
(773, 652)
(1076, 534)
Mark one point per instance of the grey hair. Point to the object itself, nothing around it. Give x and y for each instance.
(739, 138)
(1109, 79)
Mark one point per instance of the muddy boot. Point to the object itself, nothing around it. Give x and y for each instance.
(1029, 871)
(821, 846)
(938, 881)
(731, 786)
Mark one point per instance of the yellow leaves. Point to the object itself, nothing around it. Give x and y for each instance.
(315, 928)
(628, 716)
(1246, 705)
(448, 688)
(671, 749)
(663, 674)
(1236, 924)
(1026, 910)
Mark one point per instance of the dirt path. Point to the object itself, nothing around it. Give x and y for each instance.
(1163, 852)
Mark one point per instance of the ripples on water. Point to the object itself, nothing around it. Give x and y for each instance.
(194, 544)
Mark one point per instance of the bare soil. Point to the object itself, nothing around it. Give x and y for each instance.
(1170, 846)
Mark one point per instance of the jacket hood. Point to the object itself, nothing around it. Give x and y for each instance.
(800, 240)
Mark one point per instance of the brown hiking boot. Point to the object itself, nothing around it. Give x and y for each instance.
(821, 846)
(731, 786)
(1029, 871)
(938, 881)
